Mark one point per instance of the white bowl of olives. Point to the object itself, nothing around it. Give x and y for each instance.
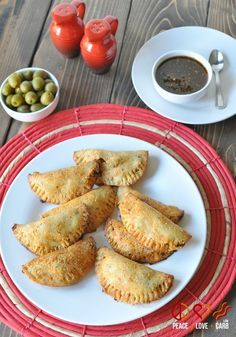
(29, 94)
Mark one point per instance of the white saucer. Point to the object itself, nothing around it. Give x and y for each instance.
(198, 39)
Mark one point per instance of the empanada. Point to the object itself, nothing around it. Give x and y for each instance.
(60, 186)
(63, 267)
(150, 227)
(129, 281)
(125, 244)
(57, 231)
(118, 168)
(171, 212)
(100, 204)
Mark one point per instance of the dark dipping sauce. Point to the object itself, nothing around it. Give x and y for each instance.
(181, 75)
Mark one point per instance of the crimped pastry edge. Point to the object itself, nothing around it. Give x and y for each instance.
(40, 251)
(131, 177)
(70, 282)
(130, 298)
(61, 198)
(152, 257)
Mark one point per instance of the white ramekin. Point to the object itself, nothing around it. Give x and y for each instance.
(182, 98)
(31, 116)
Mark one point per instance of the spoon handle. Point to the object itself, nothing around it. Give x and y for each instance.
(219, 97)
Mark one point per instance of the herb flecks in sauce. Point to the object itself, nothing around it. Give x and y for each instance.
(181, 75)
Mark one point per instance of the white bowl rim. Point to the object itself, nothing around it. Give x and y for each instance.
(182, 52)
(35, 112)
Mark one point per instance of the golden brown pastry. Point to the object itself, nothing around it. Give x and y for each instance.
(100, 204)
(63, 267)
(60, 186)
(129, 281)
(171, 212)
(125, 244)
(150, 227)
(57, 231)
(118, 168)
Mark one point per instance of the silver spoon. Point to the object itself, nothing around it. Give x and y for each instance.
(216, 60)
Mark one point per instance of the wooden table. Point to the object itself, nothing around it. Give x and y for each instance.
(25, 41)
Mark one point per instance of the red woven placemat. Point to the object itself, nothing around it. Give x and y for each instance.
(216, 274)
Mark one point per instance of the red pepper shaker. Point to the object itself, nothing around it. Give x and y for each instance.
(67, 27)
(98, 45)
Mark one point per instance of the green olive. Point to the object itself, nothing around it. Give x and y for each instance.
(38, 83)
(8, 101)
(14, 80)
(39, 93)
(51, 87)
(21, 76)
(46, 98)
(18, 90)
(7, 89)
(36, 107)
(48, 80)
(26, 86)
(23, 108)
(28, 75)
(17, 100)
(31, 97)
(40, 73)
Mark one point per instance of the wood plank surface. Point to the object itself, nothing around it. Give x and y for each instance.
(29, 43)
(6, 332)
(20, 27)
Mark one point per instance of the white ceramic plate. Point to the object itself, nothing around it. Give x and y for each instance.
(165, 180)
(200, 40)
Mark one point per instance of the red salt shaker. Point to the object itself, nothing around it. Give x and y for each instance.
(67, 27)
(98, 45)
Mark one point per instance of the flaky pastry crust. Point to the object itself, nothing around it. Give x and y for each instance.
(150, 227)
(57, 231)
(118, 168)
(99, 202)
(129, 281)
(125, 244)
(171, 212)
(63, 267)
(60, 186)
